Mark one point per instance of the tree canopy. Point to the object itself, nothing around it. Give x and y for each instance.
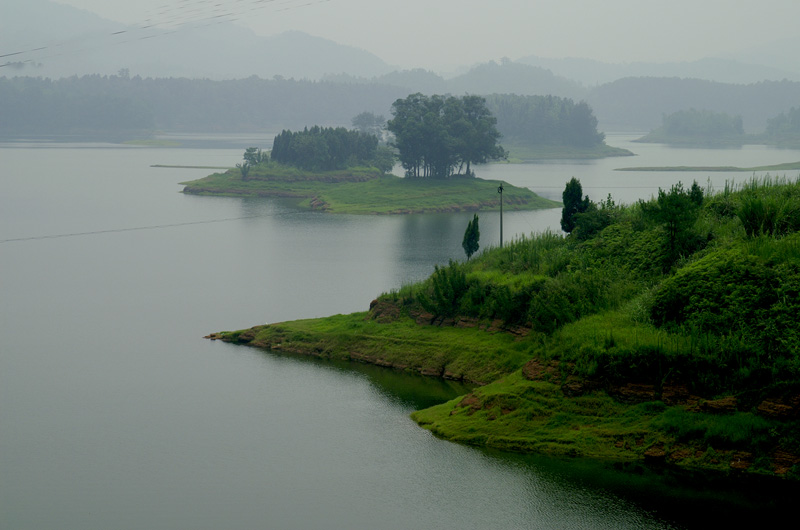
(694, 125)
(472, 237)
(545, 120)
(574, 204)
(439, 136)
(324, 148)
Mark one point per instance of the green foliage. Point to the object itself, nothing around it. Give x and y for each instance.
(438, 136)
(784, 129)
(593, 220)
(545, 120)
(573, 204)
(698, 126)
(324, 148)
(768, 208)
(735, 292)
(448, 285)
(244, 169)
(677, 212)
(384, 158)
(369, 123)
(741, 429)
(255, 156)
(471, 237)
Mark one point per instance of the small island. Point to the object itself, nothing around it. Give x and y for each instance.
(664, 333)
(549, 127)
(694, 127)
(704, 128)
(335, 170)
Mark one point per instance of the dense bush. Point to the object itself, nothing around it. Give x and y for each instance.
(722, 318)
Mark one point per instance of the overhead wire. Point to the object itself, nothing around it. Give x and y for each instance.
(130, 229)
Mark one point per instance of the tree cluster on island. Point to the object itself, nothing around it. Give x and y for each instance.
(324, 148)
(321, 149)
(692, 126)
(784, 129)
(545, 120)
(442, 136)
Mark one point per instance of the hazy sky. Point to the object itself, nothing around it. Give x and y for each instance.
(441, 34)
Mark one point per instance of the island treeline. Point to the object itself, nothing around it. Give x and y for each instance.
(784, 129)
(324, 148)
(439, 136)
(544, 120)
(694, 126)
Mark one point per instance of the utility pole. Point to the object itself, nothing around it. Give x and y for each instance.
(500, 191)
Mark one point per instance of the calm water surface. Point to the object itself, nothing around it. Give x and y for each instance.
(115, 413)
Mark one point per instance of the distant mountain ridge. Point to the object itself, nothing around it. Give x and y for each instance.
(506, 77)
(77, 42)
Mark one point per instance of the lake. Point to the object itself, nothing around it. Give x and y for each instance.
(115, 413)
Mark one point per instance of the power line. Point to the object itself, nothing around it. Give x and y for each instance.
(132, 229)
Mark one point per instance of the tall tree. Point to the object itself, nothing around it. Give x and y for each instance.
(573, 204)
(369, 123)
(437, 136)
(471, 237)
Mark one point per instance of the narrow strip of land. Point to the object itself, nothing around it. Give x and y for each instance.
(777, 167)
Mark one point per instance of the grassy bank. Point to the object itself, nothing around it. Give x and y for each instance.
(457, 353)
(663, 332)
(368, 191)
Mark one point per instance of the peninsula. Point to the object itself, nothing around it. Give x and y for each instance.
(664, 332)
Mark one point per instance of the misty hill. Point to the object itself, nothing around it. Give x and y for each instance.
(724, 70)
(77, 42)
(638, 103)
(506, 77)
(509, 77)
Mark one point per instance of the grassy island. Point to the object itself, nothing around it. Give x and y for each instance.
(666, 332)
(366, 190)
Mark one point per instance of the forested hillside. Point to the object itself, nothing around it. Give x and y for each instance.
(131, 106)
(121, 104)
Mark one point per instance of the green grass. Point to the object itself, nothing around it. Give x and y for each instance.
(365, 191)
(516, 414)
(403, 344)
